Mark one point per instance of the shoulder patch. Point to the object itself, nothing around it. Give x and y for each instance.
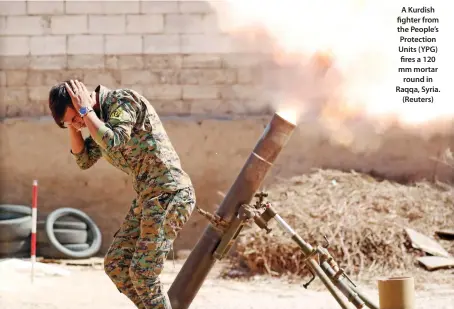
(116, 113)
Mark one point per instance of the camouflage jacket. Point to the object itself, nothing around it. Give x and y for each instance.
(133, 139)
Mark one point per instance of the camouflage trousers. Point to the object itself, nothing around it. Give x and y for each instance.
(136, 256)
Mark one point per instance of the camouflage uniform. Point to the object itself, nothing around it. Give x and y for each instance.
(133, 139)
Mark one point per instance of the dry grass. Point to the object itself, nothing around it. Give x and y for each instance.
(446, 158)
(363, 218)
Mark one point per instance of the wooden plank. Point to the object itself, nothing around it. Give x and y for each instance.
(436, 262)
(446, 234)
(422, 242)
(85, 262)
(81, 262)
(48, 261)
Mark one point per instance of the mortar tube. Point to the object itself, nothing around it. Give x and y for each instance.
(199, 263)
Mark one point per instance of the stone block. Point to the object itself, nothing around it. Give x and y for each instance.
(241, 92)
(163, 92)
(166, 76)
(2, 24)
(15, 95)
(121, 7)
(14, 46)
(48, 62)
(48, 45)
(124, 62)
(207, 76)
(155, 62)
(195, 7)
(201, 92)
(14, 62)
(102, 7)
(16, 78)
(35, 78)
(39, 93)
(3, 105)
(69, 24)
(169, 107)
(249, 107)
(78, 74)
(35, 108)
(200, 61)
(44, 78)
(149, 23)
(83, 7)
(141, 77)
(245, 76)
(149, 77)
(85, 44)
(184, 23)
(27, 25)
(211, 24)
(161, 44)
(158, 7)
(9, 8)
(207, 107)
(14, 99)
(103, 24)
(86, 62)
(106, 78)
(241, 60)
(211, 44)
(53, 7)
(2, 78)
(123, 44)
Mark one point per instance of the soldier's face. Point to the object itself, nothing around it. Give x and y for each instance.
(72, 118)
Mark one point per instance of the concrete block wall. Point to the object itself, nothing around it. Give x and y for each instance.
(175, 53)
(171, 51)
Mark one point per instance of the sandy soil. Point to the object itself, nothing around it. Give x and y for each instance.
(90, 288)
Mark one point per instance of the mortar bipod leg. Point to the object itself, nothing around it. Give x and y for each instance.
(369, 303)
(308, 250)
(345, 288)
(329, 285)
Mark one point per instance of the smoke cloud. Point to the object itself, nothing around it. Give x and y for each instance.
(335, 75)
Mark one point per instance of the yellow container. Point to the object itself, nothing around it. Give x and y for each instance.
(396, 293)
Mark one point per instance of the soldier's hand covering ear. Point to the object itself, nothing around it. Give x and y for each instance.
(79, 94)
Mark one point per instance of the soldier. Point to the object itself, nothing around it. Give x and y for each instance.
(125, 130)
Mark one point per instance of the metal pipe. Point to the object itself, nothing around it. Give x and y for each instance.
(344, 287)
(328, 284)
(366, 299)
(197, 266)
(307, 250)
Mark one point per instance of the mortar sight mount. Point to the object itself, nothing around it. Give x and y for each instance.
(318, 259)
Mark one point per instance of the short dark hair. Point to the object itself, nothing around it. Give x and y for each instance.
(59, 101)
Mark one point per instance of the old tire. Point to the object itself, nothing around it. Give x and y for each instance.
(77, 247)
(48, 251)
(17, 248)
(9, 211)
(70, 222)
(16, 223)
(94, 234)
(65, 222)
(63, 236)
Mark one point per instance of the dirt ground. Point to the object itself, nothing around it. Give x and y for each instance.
(89, 288)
